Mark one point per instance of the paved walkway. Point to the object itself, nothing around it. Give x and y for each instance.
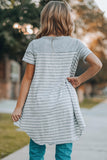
(91, 146)
(7, 106)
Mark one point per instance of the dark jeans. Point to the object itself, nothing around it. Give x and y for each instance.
(37, 152)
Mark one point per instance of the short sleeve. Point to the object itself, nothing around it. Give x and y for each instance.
(29, 56)
(83, 51)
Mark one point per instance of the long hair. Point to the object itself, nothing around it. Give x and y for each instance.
(56, 19)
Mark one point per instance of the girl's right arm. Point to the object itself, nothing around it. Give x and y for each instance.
(95, 67)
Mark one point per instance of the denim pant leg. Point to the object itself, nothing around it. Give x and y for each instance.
(36, 151)
(63, 151)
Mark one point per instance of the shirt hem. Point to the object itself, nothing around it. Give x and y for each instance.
(71, 140)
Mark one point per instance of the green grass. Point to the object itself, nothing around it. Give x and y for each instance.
(10, 139)
(90, 102)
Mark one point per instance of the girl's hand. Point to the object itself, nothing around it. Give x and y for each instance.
(16, 114)
(75, 81)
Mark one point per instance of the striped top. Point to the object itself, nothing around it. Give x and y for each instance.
(51, 113)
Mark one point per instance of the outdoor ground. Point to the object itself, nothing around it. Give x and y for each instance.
(10, 138)
(92, 144)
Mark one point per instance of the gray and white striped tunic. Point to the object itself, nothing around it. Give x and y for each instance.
(51, 113)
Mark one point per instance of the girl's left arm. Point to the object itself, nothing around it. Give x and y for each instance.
(25, 85)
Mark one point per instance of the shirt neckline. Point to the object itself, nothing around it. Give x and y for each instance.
(54, 37)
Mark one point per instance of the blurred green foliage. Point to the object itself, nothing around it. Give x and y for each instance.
(11, 41)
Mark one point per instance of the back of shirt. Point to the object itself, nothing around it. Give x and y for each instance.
(51, 113)
(55, 59)
(56, 54)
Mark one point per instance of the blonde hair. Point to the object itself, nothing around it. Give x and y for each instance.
(56, 19)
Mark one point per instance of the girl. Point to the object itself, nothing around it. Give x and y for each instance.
(48, 108)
